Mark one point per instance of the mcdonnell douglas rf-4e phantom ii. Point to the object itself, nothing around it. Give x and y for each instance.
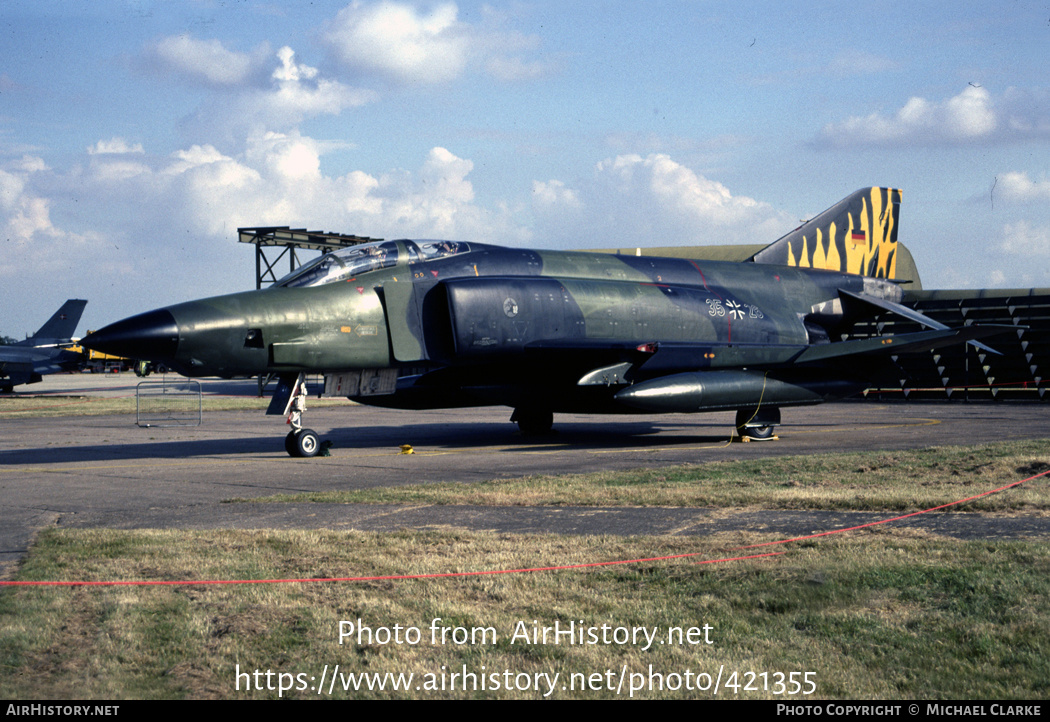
(439, 324)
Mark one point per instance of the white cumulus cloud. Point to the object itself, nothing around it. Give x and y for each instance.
(653, 200)
(206, 61)
(300, 93)
(399, 42)
(292, 93)
(403, 44)
(39, 252)
(11, 187)
(1017, 186)
(1025, 239)
(114, 146)
(554, 193)
(278, 180)
(969, 116)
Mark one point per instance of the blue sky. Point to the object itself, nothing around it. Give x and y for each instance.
(136, 136)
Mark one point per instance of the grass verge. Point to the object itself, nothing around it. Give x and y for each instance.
(880, 614)
(39, 407)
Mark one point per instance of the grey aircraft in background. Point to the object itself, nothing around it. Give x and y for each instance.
(45, 352)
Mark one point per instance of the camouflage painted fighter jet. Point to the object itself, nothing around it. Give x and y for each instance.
(26, 362)
(439, 324)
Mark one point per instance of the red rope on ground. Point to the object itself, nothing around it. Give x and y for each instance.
(896, 518)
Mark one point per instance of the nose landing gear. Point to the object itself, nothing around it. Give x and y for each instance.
(300, 442)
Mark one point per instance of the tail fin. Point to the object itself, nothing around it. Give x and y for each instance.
(60, 326)
(856, 235)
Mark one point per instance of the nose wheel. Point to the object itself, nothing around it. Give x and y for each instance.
(303, 443)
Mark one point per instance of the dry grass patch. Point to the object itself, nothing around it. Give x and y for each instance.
(38, 407)
(878, 481)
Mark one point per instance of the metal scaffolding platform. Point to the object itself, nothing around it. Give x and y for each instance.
(290, 241)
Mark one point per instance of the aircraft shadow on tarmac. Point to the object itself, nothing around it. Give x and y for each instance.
(151, 450)
(582, 436)
(504, 438)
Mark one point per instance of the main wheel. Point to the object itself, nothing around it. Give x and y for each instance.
(757, 424)
(757, 432)
(289, 444)
(306, 443)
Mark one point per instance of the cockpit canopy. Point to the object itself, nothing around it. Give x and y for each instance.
(350, 262)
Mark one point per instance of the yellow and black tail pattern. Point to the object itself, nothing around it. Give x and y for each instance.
(856, 235)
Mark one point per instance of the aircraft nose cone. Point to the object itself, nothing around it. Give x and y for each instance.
(152, 336)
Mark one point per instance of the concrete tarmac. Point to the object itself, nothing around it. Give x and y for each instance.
(104, 471)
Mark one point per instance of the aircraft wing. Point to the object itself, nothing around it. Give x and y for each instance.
(910, 314)
(918, 342)
(21, 354)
